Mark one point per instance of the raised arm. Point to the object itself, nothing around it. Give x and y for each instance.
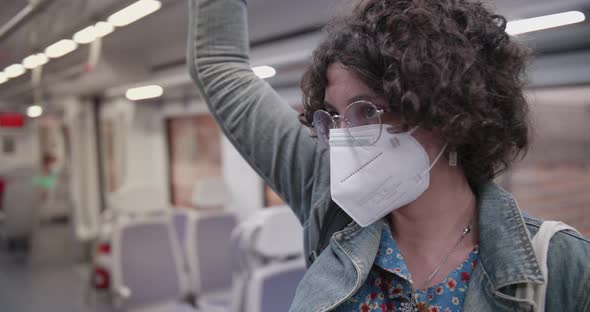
(263, 128)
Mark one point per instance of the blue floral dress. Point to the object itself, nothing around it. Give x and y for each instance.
(389, 284)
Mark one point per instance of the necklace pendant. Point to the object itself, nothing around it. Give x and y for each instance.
(467, 229)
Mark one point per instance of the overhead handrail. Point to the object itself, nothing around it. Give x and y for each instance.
(26, 13)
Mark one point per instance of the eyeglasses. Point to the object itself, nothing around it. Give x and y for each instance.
(357, 114)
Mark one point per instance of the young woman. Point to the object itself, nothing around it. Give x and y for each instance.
(416, 105)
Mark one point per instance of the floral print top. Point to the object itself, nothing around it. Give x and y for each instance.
(389, 284)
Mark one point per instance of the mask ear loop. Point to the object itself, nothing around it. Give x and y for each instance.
(435, 160)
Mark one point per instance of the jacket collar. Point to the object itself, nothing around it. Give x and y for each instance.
(361, 244)
(506, 252)
(340, 270)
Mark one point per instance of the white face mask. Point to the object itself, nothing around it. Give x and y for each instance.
(368, 182)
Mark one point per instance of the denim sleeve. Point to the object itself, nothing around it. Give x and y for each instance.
(263, 128)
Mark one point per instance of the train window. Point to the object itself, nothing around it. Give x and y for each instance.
(194, 155)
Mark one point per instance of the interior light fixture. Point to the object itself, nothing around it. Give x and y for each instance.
(35, 60)
(544, 22)
(264, 71)
(14, 70)
(61, 48)
(103, 28)
(3, 78)
(34, 111)
(134, 12)
(86, 35)
(42, 59)
(30, 62)
(146, 92)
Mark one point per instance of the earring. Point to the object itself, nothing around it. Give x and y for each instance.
(453, 159)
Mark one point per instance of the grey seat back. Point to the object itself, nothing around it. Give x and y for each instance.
(269, 261)
(180, 222)
(209, 252)
(147, 267)
(272, 287)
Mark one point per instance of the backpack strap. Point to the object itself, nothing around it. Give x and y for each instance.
(335, 220)
(533, 292)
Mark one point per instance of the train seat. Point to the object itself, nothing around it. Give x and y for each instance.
(208, 251)
(268, 261)
(272, 287)
(147, 266)
(180, 218)
(138, 199)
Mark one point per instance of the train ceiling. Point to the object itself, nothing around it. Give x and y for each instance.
(157, 43)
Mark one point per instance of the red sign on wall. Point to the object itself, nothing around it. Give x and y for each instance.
(12, 120)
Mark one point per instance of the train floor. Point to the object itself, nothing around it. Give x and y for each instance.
(51, 276)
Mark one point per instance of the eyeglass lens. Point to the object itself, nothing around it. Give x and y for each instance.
(356, 114)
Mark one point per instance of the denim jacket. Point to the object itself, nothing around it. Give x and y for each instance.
(267, 133)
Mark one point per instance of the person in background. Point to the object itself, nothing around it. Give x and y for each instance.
(46, 181)
(414, 107)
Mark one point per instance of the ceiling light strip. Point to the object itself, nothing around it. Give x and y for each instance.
(544, 22)
(61, 48)
(134, 12)
(143, 93)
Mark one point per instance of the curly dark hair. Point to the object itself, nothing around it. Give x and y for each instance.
(446, 65)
